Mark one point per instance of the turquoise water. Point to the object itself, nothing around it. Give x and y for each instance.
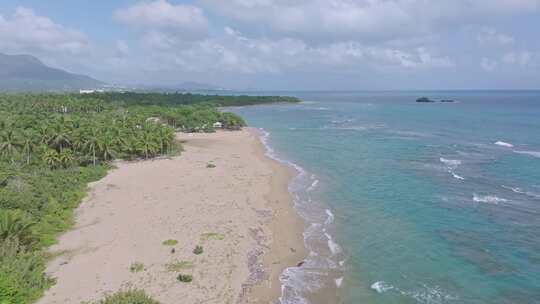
(409, 202)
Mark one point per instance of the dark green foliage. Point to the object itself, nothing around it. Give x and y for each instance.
(188, 99)
(184, 278)
(128, 297)
(210, 166)
(198, 250)
(21, 274)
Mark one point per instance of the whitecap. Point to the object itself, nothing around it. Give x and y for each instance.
(504, 144)
(491, 199)
(531, 153)
(521, 191)
(381, 286)
(456, 176)
(450, 162)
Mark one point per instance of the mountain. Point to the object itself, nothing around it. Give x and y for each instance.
(27, 73)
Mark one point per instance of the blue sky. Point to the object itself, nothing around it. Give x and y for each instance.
(285, 44)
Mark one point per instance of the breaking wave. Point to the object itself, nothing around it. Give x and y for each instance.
(504, 144)
(491, 199)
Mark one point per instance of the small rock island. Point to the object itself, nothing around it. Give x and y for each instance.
(425, 99)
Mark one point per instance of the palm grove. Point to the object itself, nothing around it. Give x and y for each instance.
(52, 146)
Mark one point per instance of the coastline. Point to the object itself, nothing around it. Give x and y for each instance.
(240, 211)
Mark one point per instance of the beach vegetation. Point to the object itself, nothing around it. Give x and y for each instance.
(198, 250)
(136, 267)
(134, 296)
(210, 165)
(184, 278)
(178, 266)
(212, 236)
(170, 242)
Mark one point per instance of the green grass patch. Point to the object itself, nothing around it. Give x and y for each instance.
(178, 266)
(136, 267)
(212, 236)
(170, 242)
(128, 297)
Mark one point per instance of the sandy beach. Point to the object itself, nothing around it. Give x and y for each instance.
(238, 208)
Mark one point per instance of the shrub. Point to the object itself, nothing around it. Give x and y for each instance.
(178, 266)
(128, 297)
(198, 250)
(21, 274)
(170, 242)
(136, 267)
(210, 166)
(184, 278)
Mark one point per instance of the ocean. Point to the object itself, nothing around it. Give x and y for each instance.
(409, 202)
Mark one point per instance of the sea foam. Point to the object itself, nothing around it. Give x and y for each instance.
(504, 144)
(530, 153)
(381, 286)
(450, 162)
(491, 199)
(333, 246)
(330, 219)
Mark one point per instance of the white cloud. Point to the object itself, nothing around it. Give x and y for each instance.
(522, 58)
(488, 64)
(234, 52)
(25, 31)
(363, 19)
(185, 21)
(490, 36)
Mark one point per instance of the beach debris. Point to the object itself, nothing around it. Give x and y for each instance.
(173, 251)
(300, 264)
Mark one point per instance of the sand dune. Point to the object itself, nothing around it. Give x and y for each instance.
(239, 211)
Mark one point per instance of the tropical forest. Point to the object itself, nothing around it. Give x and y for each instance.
(53, 145)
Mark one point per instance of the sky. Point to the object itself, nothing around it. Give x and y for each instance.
(284, 44)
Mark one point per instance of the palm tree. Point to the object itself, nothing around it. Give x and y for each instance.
(28, 144)
(60, 137)
(51, 158)
(14, 227)
(66, 158)
(91, 143)
(106, 146)
(8, 143)
(147, 144)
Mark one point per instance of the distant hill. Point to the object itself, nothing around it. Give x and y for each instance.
(188, 86)
(196, 86)
(27, 73)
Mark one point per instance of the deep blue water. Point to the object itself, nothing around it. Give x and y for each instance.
(427, 207)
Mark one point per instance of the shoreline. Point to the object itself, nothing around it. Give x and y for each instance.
(241, 212)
